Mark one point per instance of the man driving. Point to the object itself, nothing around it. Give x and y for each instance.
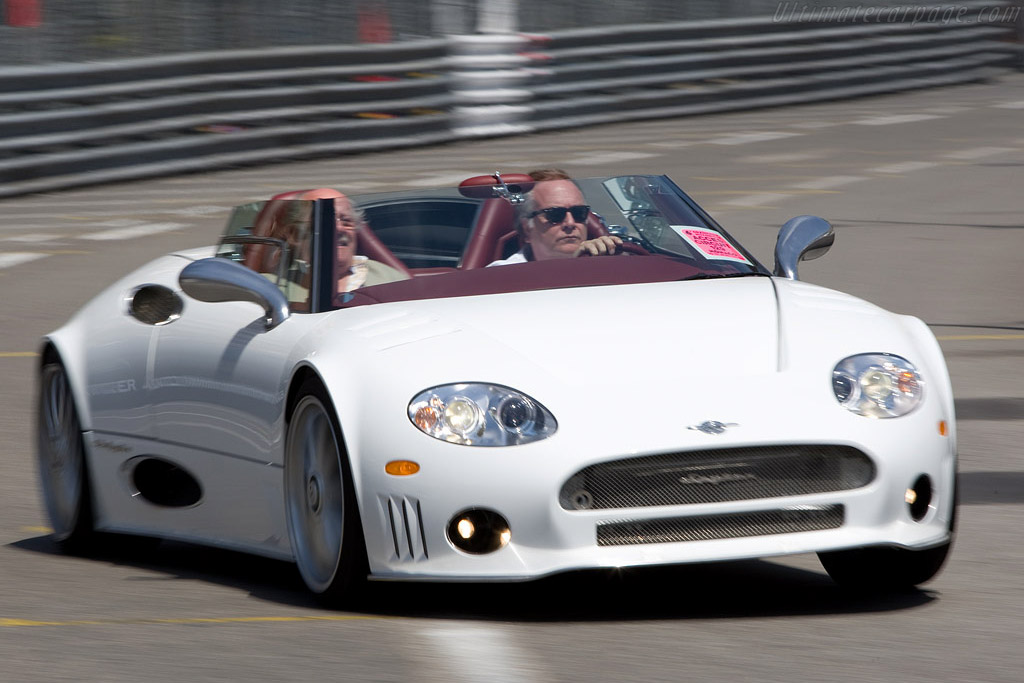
(551, 222)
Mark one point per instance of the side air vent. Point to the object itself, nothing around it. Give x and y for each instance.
(154, 305)
(163, 483)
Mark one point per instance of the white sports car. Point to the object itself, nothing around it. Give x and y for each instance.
(676, 403)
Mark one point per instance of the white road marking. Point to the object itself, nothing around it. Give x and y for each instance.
(745, 138)
(15, 258)
(672, 144)
(897, 118)
(198, 210)
(976, 153)
(115, 223)
(129, 232)
(785, 158)
(903, 167)
(830, 182)
(34, 237)
(816, 125)
(596, 158)
(483, 653)
(439, 179)
(763, 199)
(358, 187)
(1019, 104)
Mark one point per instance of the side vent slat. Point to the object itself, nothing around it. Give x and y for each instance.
(405, 521)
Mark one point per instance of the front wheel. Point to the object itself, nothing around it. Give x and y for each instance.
(323, 518)
(61, 460)
(884, 569)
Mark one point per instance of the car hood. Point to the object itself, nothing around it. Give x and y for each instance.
(721, 327)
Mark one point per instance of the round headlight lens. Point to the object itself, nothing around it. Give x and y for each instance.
(462, 415)
(877, 385)
(516, 414)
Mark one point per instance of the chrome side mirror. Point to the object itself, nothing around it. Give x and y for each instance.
(801, 239)
(218, 279)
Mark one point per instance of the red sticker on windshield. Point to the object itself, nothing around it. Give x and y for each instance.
(710, 243)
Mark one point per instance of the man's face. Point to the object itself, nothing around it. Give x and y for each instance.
(551, 239)
(346, 227)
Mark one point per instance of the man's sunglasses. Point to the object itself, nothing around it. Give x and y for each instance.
(556, 214)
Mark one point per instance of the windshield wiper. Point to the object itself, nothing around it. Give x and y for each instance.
(715, 276)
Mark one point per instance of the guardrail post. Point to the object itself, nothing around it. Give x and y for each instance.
(490, 75)
(1020, 34)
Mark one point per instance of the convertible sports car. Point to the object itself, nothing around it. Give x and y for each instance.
(675, 403)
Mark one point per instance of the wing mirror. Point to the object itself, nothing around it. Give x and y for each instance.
(801, 239)
(219, 279)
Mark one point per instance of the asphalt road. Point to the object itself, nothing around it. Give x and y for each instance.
(926, 190)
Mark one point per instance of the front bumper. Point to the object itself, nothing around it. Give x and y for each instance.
(405, 518)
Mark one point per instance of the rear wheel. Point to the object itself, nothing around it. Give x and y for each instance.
(61, 460)
(323, 518)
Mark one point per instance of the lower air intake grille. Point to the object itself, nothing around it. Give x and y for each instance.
(716, 476)
(710, 527)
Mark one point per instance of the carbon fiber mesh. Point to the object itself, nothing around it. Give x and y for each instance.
(155, 304)
(715, 476)
(711, 527)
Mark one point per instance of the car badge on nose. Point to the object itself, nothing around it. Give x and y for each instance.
(712, 426)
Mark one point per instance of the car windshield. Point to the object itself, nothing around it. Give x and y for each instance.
(438, 243)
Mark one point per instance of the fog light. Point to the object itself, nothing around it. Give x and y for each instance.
(478, 531)
(919, 497)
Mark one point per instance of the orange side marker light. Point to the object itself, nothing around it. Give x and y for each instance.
(401, 468)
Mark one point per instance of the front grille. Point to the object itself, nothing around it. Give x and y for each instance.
(710, 527)
(717, 475)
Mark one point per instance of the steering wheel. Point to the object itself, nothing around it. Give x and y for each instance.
(624, 248)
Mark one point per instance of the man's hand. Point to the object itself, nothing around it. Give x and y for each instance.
(606, 245)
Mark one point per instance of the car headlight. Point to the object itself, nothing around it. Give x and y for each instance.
(877, 385)
(476, 414)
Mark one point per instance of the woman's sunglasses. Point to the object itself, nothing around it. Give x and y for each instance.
(556, 214)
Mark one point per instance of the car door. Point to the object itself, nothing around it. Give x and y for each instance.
(217, 380)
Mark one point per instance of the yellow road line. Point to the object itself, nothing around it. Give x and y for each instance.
(978, 337)
(18, 354)
(29, 623)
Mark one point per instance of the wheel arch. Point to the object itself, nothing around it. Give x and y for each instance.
(300, 375)
(53, 350)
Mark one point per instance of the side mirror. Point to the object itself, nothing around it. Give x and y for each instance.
(219, 279)
(801, 239)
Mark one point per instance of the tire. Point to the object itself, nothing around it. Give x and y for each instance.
(63, 471)
(884, 569)
(323, 518)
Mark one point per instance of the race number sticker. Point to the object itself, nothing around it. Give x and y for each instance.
(709, 243)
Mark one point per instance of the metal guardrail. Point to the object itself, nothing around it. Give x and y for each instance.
(594, 76)
(77, 124)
